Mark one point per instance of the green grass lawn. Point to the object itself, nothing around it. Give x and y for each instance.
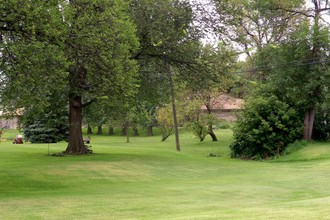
(148, 179)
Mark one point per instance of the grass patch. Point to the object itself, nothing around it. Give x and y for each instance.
(148, 179)
(297, 145)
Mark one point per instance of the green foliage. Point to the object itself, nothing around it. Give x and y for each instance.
(201, 127)
(265, 128)
(167, 35)
(321, 129)
(163, 26)
(98, 113)
(223, 124)
(254, 23)
(32, 61)
(102, 38)
(213, 68)
(295, 71)
(165, 121)
(46, 127)
(295, 146)
(197, 128)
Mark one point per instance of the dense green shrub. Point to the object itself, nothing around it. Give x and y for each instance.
(321, 129)
(48, 127)
(265, 127)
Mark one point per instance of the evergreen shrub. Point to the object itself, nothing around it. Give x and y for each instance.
(48, 127)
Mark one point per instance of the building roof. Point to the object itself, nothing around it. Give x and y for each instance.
(225, 102)
(17, 112)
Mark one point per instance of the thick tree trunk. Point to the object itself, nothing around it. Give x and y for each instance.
(76, 144)
(213, 136)
(99, 130)
(309, 123)
(89, 130)
(111, 131)
(149, 131)
(211, 133)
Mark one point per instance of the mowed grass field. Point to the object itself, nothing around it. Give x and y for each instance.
(149, 179)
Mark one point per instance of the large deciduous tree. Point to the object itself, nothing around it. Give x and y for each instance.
(79, 47)
(318, 82)
(300, 64)
(305, 79)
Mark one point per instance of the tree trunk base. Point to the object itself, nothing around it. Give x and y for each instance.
(213, 136)
(81, 151)
(308, 123)
(149, 131)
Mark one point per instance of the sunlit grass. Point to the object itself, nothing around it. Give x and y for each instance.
(149, 179)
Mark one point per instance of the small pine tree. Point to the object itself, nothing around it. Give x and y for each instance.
(49, 127)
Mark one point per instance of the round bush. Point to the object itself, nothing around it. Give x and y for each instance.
(265, 127)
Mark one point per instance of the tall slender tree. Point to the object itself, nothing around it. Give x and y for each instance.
(168, 43)
(320, 44)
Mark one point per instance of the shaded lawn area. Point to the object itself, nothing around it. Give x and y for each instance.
(148, 179)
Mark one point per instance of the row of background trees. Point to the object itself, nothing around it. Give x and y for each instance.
(117, 62)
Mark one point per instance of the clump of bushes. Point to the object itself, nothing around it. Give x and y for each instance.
(265, 128)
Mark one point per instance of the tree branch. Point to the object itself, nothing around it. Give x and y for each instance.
(89, 102)
(294, 12)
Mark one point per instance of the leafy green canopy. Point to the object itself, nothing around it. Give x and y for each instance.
(295, 70)
(166, 32)
(32, 61)
(100, 40)
(42, 41)
(321, 130)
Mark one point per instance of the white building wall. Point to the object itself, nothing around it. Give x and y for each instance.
(9, 123)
